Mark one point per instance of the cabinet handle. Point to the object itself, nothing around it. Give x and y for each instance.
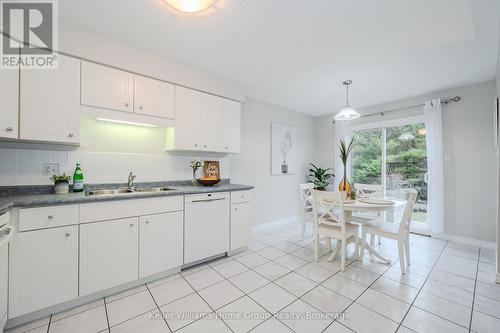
(205, 146)
(226, 147)
(140, 107)
(147, 222)
(196, 145)
(50, 217)
(236, 209)
(9, 129)
(71, 135)
(131, 224)
(68, 234)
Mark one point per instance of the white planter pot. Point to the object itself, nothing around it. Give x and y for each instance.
(61, 188)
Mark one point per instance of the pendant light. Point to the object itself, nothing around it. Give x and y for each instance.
(347, 112)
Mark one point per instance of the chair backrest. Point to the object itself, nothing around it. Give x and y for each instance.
(305, 192)
(323, 204)
(404, 226)
(369, 189)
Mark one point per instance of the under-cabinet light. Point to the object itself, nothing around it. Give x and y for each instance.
(126, 122)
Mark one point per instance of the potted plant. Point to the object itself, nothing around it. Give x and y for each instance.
(345, 150)
(61, 183)
(319, 177)
(195, 165)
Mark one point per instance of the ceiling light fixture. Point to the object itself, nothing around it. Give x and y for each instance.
(125, 122)
(347, 112)
(190, 6)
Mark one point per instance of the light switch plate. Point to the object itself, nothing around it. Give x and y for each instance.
(49, 169)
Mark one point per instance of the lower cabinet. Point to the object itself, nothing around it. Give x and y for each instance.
(241, 223)
(160, 242)
(108, 254)
(43, 269)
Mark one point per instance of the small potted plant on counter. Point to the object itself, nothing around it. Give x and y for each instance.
(319, 177)
(61, 183)
(195, 165)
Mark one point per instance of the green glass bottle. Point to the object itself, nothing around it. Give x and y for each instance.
(78, 179)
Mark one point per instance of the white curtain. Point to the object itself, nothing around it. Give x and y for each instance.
(341, 131)
(435, 170)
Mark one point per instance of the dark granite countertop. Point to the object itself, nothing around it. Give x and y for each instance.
(32, 196)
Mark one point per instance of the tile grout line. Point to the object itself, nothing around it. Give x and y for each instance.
(106, 311)
(157, 306)
(474, 293)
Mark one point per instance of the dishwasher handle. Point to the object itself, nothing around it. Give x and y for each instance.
(209, 200)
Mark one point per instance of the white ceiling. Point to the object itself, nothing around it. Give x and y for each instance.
(296, 53)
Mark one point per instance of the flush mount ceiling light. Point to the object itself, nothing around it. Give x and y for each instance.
(190, 6)
(347, 112)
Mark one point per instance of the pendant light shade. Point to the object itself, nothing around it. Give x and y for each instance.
(347, 112)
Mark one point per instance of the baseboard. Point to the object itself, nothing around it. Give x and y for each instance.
(465, 240)
(278, 222)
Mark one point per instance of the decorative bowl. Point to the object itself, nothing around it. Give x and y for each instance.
(208, 181)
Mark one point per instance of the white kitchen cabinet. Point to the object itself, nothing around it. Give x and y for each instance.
(241, 223)
(187, 119)
(160, 242)
(153, 97)
(211, 122)
(231, 126)
(9, 94)
(50, 103)
(43, 269)
(108, 254)
(107, 88)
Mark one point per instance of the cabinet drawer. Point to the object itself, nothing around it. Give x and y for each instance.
(47, 217)
(241, 196)
(100, 211)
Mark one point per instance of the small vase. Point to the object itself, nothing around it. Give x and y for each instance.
(284, 168)
(61, 188)
(194, 181)
(344, 185)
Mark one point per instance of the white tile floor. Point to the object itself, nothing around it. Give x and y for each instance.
(276, 287)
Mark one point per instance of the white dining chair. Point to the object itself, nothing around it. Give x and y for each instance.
(329, 217)
(307, 208)
(399, 233)
(369, 190)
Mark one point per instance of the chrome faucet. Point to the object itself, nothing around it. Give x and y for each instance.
(131, 178)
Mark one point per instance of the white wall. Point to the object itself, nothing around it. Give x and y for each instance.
(470, 174)
(276, 196)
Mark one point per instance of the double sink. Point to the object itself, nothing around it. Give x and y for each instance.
(127, 190)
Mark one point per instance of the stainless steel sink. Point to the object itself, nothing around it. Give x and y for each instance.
(128, 190)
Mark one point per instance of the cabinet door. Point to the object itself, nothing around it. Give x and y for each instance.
(211, 122)
(187, 119)
(241, 223)
(153, 97)
(231, 126)
(50, 103)
(160, 242)
(9, 94)
(107, 88)
(43, 269)
(108, 254)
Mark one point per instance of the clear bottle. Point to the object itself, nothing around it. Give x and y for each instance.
(78, 179)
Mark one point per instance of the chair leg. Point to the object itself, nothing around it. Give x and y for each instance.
(401, 256)
(303, 226)
(335, 251)
(372, 240)
(356, 245)
(407, 250)
(379, 241)
(316, 247)
(329, 244)
(363, 244)
(342, 254)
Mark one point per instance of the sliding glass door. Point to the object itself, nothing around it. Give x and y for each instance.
(393, 155)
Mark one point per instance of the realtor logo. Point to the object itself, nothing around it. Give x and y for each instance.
(29, 33)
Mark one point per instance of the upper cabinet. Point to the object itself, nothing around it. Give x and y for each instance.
(9, 92)
(231, 126)
(107, 88)
(50, 103)
(205, 122)
(153, 97)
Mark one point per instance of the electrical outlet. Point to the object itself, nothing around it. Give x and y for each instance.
(49, 169)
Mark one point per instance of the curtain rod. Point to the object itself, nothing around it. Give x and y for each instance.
(382, 113)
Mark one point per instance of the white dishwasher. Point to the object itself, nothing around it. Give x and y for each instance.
(206, 226)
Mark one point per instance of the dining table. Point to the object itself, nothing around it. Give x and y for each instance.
(365, 205)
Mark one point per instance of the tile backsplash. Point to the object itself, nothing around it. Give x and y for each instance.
(25, 167)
